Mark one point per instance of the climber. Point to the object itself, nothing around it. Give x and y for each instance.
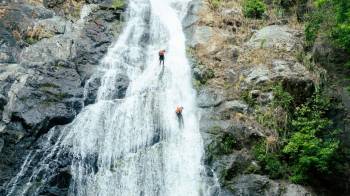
(161, 57)
(178, 112)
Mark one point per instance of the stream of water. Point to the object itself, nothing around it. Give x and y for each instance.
(131, 146)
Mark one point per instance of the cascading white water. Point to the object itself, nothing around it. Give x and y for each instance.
(134, 146)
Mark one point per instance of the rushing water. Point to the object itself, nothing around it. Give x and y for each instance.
(131, 146)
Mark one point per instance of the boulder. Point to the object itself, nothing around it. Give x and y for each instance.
(258, 185)
(295, 79)
(233, 106)
(56, 48)
(276, 37)
(19, 16)
(258, 75)
(296, 190)
(53, 26)
(47, 95)
(199, 35)
(227, 167)
(203, 74)
(254, 185)
(210, 97)
(245, 132)
(189, 22)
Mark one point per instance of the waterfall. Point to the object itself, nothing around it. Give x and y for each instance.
(131, 146)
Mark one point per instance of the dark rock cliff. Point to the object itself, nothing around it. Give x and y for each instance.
(48, 51)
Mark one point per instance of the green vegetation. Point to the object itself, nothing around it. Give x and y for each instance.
(276, 114)
(196, 84)
(215, 4)
(224, 143)
(270, 161)
(30, 40)
(313, 142)
(281, 98)
(330, 18)
(247, 97)
(308, 143)
(254, 8)
(203, 77)
(305, 147)
(118, 4)
(49, 85)
(207, 74)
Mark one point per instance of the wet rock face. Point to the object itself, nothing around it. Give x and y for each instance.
(97, 35)
(7, 46)
(91, 90)
(46, 95)
(122, 83)
(46, 60)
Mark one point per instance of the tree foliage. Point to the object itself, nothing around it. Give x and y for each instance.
(309, 146)
(331, 18)
(312, 144)
(254, 8)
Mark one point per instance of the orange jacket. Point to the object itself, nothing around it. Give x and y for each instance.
(178, 110)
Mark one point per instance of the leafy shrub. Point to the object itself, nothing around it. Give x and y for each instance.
(247, 97)
(270, 162)
(331, 17)
(281, 97)
(311, 30)
(253, 8)
(309, 147)
(341, 36)
(31, 40)
(313, 144)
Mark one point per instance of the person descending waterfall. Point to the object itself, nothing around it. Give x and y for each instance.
(178, 112)
(161, 57)
(161, 61)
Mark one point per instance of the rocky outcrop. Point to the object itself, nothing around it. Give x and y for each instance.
(98, 33)
(48, 53)
(245, 58)
(45, 95)
(293, 76)
(257, 185)
(277, 37)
